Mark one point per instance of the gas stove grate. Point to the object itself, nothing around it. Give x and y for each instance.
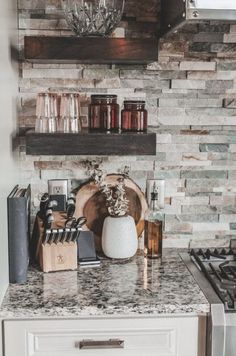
(219, 267)
(216, 253)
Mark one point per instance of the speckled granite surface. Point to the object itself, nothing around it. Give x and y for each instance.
(136, 287)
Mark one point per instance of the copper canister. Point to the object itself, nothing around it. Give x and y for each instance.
(104, 113)
(134, 116)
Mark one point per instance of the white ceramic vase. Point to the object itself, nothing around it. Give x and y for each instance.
(119, 237)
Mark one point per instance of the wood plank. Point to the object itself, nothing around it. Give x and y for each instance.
(90, 49)
(90, 144)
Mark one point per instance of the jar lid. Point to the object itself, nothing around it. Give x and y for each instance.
(134, 102)
(103, 96)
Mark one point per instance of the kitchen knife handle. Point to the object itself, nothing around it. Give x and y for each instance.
(48, 221)
(104, 344)
(52, 237)
(46, 236)
(76, 234)
(43, 204)
(70, 235)
(70, 211)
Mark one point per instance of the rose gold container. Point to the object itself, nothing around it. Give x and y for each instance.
(104, 113)
(134, 116)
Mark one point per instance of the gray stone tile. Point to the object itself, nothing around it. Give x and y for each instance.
(229, 103)
(226, 65)
(218, 86)
(204, 174)
(192, 218)
(188, 84)
(232, 226)
(190, 103)
(205, 66)
(213, 147)
(224, 48)
(199, 210)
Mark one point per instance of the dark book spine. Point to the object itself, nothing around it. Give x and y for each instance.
(18, 239)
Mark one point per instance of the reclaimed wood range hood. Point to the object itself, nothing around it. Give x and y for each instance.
(178, 13)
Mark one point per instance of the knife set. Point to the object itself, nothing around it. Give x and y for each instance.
(55, 235)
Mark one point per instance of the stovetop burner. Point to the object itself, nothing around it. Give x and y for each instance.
(219, 267)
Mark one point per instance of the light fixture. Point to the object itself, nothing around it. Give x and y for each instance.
(93, 17)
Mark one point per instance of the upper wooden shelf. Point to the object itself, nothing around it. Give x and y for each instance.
(86, 143)
(90, 50)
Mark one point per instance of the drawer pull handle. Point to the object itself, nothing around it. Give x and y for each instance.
(104, 344)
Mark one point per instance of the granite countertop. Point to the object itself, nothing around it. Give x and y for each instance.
(124, 288)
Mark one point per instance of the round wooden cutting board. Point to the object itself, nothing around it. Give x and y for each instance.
(91, 203)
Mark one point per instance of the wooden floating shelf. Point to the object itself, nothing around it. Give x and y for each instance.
(90, 49)
(85, 143)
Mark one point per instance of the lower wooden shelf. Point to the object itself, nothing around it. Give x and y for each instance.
(86, 143)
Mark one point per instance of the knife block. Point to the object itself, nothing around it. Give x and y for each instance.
(53, 257)
(58, 257)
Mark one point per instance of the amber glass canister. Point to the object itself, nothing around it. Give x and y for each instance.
(134, 116)
(104, 113)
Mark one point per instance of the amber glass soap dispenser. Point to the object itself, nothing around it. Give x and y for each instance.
(154, 220)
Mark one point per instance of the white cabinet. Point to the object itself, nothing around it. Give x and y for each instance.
(151, 336)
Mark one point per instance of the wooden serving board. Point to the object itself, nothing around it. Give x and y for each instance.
(91, 203)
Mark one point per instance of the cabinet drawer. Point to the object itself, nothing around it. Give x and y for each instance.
(102, 337)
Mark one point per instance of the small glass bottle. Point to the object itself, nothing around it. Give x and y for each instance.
(134, 116)
(104, 113)
(153, 232)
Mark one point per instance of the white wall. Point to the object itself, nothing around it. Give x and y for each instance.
(8, 94)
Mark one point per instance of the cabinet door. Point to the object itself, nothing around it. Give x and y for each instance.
(103, 337)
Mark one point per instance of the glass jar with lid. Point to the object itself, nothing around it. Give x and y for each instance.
(104, 113)
(134, 116)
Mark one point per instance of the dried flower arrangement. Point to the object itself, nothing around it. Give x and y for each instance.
(117, 202)
(116, 199)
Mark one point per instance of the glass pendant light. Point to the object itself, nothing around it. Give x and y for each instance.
(93, 17)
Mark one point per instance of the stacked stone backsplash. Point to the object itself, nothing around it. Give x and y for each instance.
(191, 99)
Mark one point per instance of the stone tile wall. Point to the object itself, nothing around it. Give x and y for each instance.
(190, 93)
